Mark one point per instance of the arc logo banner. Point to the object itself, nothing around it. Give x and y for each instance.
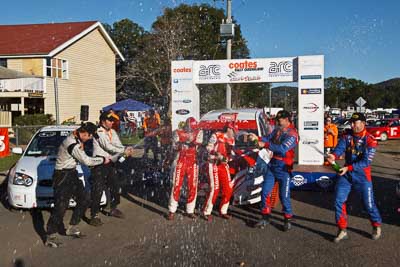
(4, 143)
(244, 70)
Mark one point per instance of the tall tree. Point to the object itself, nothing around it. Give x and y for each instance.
(127, 36)
(188, 32)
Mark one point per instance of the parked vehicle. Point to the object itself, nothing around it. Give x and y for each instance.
(343, 126)
(385, 129)
(30, 179)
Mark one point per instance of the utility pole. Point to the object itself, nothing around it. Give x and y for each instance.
(56, 101)
(270, 99)
(228, 52)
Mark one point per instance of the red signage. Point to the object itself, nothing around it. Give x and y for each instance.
(4, 142)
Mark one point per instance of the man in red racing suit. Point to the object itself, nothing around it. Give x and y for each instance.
(220, 151)
(185, 142)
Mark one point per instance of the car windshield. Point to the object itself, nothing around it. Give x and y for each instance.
(46, 143)
(379, 123)
(241, 141)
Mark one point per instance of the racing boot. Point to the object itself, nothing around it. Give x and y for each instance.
(266, 219)
(208, 218)
(52, 241)
(287, 224)
(73, 230)
(95, 221)
(171, 216)
(376, 232)
(226, 216)
(342, 235)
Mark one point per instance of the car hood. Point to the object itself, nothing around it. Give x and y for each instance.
(36, 167)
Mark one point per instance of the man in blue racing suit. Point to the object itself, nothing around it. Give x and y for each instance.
(359, 148)
(281, 141)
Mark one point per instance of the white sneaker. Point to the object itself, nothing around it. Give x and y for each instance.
(73, 230)
(376, 233)
(52, 241)
(342, 235)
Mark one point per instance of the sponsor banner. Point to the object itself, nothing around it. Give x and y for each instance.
(185, 101)
(310, 77)
(324, 181)
(311, 109)
(309, 141)
(244, 70)
(311, 91)
(4, 143)
(182, 111)
(299, 180)
(311, 125)
(182, 72)
(182, 80)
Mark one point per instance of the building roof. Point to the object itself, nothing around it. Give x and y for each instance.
(46, 39)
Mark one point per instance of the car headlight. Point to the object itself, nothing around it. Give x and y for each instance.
(22, 179)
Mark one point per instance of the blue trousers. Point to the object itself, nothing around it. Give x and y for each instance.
(364, 188)
(276, 169)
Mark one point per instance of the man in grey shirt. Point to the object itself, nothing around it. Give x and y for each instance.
(66, 182)
(108, 145)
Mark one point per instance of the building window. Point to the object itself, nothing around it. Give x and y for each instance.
(57, 68)
(3, 62)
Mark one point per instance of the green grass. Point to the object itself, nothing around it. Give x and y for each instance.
(7, 162)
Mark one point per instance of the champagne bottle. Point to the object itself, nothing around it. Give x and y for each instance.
(123, 158)
(255, 142)
(336, 167)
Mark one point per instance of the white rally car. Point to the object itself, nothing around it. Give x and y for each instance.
(30, 179)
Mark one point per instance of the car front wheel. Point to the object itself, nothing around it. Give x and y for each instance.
(384, 137)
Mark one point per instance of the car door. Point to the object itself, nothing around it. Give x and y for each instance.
(394, 129)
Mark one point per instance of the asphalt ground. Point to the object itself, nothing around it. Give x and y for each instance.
(146, 238)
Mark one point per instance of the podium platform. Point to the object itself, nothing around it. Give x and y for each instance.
(313, 177)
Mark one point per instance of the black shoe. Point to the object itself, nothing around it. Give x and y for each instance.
(263, 222)
(95, 221)
(117, 213)
(287, 225)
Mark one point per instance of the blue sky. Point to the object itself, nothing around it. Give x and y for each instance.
(359, 38)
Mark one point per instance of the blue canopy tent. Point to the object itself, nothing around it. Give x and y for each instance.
(128, 104)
